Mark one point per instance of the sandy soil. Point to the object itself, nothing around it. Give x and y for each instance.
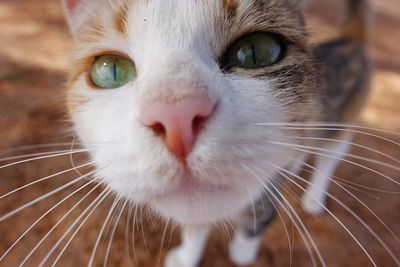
(34, 45)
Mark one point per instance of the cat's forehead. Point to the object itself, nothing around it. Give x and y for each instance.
(238, 12)
(223, 15)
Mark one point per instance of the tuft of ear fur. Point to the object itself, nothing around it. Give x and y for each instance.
(72, 9)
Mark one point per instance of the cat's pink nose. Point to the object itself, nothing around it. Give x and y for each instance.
(178, 123)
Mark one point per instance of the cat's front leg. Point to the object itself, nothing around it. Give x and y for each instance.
(189, 253)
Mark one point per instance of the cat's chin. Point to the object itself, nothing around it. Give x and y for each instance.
(205, 204)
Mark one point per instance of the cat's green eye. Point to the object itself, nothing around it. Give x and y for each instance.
(257, 50)
(112, 71)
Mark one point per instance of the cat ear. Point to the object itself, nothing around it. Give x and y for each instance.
(72, 8)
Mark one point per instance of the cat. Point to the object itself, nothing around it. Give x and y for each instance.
(193, 107)
(205, 111)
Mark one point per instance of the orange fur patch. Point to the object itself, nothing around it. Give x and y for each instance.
(229, 4)
(120, 18)
(80, 67)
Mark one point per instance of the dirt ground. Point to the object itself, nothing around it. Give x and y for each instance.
(34, 45)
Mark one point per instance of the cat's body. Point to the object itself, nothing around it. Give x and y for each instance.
(199, 140)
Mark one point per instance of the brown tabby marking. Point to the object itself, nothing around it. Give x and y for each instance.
(343, 73)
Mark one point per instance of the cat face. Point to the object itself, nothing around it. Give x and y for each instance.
(245, 62)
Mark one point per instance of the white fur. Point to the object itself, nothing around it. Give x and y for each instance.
(243, 250)
(189, 253)
(314, 200)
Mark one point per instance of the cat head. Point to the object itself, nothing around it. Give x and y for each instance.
(179, 102)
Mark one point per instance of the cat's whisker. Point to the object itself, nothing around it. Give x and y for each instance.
(114, 205)
(281, 170)
(126, 233)
(39, 199)
(325, 124)
(71, 156)
(284, 226)
(300, 148)
(173, 227)
(32, 155)
(354, 186)
(344, 180)
(342, 130)
(349, 143)
(113, 232)
(361, 202)
(163, 239)
(68, 152)
(291, 192)
(351, 194)
(43, 179)
(97, 200)
(351, 185)
(369, 160)
(127, 227)
(32, 147)
(293, 238)
(41, 218)
(303, 231)
(370, 210)
(143, 234)
(360, 187)
(225, 230)
(341, 179)
(70, 239)
(372, 232)
(113, 217)
(134, 228)
(298, 224)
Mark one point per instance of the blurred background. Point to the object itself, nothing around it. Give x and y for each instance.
(34, 50)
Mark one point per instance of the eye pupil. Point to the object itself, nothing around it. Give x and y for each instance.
(257, 50)
(254, 55)
(111, 71)
(115, 71)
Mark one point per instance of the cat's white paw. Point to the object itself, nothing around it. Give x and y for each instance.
(243, 251)
(174, 259)
(312, 206)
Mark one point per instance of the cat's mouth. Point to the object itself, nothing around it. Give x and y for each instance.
(190, 187)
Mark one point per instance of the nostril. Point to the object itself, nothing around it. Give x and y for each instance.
(158, 129)
(198, 124)
(178, 124)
